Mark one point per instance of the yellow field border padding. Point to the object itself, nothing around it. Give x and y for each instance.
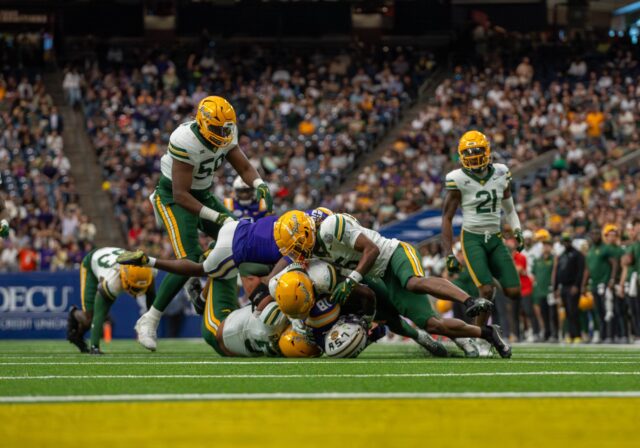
(565, 422)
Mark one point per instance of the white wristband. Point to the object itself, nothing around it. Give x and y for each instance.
(152, 262)
(4, 222)
(355, 276)
(209, 214)
(257, 183)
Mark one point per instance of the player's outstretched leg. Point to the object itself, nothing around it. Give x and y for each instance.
(456, 328)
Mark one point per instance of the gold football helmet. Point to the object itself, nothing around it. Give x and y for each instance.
(294, 345)
(294, 294)
(216, 120)
(135, 279)
(474, 150)
(295, 235)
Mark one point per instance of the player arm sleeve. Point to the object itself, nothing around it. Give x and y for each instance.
(339, 228)
(511, 216)
(176, 151)
(450, 183)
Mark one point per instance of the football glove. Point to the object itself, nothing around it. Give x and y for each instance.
(519, 239)
(137, 258)
(4, 228)
(262, 192)
(342, 291)
(224, 219)
(453, 265)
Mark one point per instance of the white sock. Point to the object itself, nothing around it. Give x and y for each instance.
(154, 313)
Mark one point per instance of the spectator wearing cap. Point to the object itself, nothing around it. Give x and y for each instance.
(567, 283)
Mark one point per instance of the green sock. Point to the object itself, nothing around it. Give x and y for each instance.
(168, 289)
(100, 312)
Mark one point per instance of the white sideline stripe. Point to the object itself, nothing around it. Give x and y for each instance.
(312, 396)
(325, 375)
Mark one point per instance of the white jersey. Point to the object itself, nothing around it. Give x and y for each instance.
(107, 271)
(254, 333)
(188, 146)
(481, 197)
(322, 275)
(337, 238)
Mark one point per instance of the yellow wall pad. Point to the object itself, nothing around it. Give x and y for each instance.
(565, 422)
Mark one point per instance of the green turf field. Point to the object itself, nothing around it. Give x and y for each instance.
(44, 369)
(185, 378)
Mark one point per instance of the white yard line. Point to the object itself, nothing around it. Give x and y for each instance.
(311, 396)
(314, 376)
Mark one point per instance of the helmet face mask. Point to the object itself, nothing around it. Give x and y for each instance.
(474, 158)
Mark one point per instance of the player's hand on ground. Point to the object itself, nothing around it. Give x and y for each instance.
(453, 265)
(137, 258)
(342, 291)
(262, 192)
(4, 228)
(519, 239)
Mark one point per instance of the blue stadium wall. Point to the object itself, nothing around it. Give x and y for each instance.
(34, 305)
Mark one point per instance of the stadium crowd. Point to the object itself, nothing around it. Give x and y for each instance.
(50, 232)
(587, 111)
(303, 119)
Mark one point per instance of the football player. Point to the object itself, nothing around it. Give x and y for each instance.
(102, 279)
(482, 189)
(245, 331)
(244, 204)
(363, 252)
(182, 201)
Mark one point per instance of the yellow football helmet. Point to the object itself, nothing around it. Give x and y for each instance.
(542, 235)
(608, 228)
(216, 120)
(294, 294)
(586, 302)
(474, 150)
(295, 235)
(294, 345)
(135, 279)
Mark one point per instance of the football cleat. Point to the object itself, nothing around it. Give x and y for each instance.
(193, 288)
(146, 329)
(499, 343)
(477, 305)
(468, 346)
(95, 350)
(72, 332)
(431, 345)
